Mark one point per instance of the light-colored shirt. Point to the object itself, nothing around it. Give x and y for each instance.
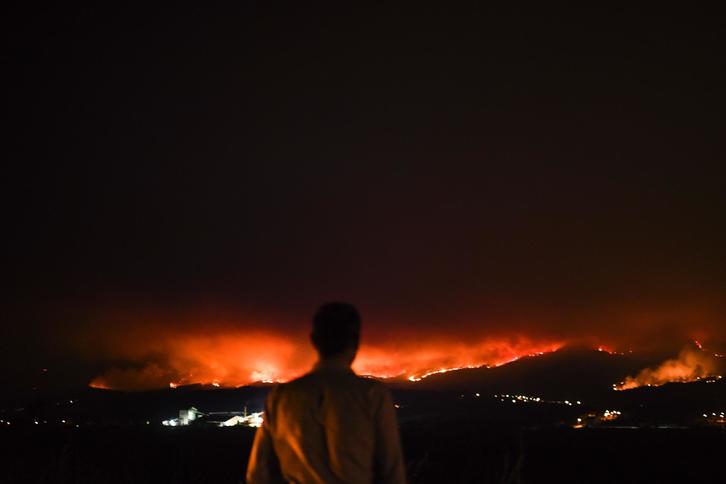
(329, 426)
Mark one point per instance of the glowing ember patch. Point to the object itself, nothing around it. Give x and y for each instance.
(611, 351)
(99, 384)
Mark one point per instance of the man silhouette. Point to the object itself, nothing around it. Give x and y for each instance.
(329, 426)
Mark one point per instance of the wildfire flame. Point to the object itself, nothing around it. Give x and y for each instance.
(690, 365)
(226, 354)
(235, 360)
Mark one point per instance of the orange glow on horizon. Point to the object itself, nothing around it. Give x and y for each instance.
(151, 347)
(235, 360)
(162, 350)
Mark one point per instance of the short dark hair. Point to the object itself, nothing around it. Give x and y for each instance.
(336, 328)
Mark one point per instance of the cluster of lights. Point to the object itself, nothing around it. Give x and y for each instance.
(603, 349)
(186, 417)
(607, 415)
(256, 419)
(6, 422)
(44, 422)
(528, 399)
(611, 414)
(716, 417)
(252, 420)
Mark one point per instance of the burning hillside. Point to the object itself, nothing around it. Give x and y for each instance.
(147, 348)
(235, 358)
(690, 365)
(240, 359)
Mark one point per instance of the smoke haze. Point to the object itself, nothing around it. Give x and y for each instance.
(185, 187)
(690, 365)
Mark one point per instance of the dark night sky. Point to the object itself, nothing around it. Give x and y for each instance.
(457, 171)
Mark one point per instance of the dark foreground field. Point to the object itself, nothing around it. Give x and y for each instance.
(436, 452)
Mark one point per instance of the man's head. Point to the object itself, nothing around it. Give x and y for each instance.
(336, 330)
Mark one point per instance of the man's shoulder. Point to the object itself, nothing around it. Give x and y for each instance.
(372, 383)
(375, 391)
(315, 378)
(301, 381)
(296, 383)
